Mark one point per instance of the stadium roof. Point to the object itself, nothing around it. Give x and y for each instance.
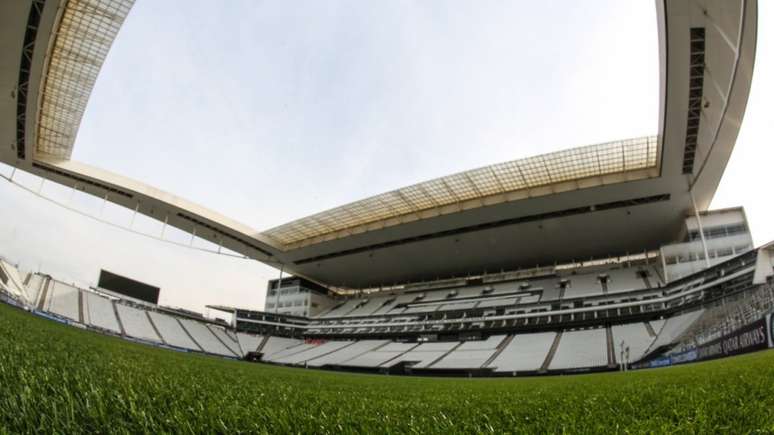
(595, 201)
(475, 188)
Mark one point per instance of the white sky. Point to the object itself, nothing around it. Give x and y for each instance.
(271, 111)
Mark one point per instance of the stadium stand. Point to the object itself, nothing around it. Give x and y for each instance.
(35, 284)
(277, 344)
(470, 354)
(315, 351)
(346, 353)
(289, 351)
(673, 328)
(223, 336)
(581, 349)
(63, 300)
(172, 332)
(248, 342)
(136, 323)
(731, 314)
(634, 336)
(380, 355)
(584, 285)
(205, 338)
(422, 355)
(368, 306)
(11, 280)
(525, 352)
(99, 312)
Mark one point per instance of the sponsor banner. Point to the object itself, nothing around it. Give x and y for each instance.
(660, 362)
(747, 339)
(770, 328)
(684, 357)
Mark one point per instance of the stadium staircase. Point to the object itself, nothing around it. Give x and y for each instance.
(221, 341)
(155, 329)
(118, 318)
(333, 351)
(259, 349)
(189, 335)
(647, 281)
(551, 352)
(80, 308)
(610, 348)
(503, 344)
(444, 355)
(651, 331)
(401, 354)
(366, 351)
(44, 295)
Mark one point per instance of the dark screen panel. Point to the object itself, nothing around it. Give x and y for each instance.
(129, 287)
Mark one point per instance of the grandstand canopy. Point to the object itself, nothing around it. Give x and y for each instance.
(587, 202)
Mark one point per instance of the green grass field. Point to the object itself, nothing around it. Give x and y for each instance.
(55, 378)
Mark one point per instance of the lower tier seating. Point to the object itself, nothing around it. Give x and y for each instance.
(526, 352)
(584, 348)
(63, 299)
(136, 323)
(205, 338)
(347, 353)
(248, 342)
(99, 312)
(470, 354)
(172, 332)
(635, 336)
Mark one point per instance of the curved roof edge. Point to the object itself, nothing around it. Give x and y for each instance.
(561, 171)
(85, 32)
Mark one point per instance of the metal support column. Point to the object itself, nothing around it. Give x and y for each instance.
(279, 285)
(701, 229)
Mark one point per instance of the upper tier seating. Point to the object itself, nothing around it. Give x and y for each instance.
(526, 352)
(624, 280)
(63, 300)
(136, 323)
(346, 353)
(248, 342)
(635, 336)
(172, 332)
(458, 306)
(584, 285)
(488, 303)
(343, 309)
(369, 306)
(585, 348)
(470, 354)
(205, 338)
(98, 311)
(402, 299)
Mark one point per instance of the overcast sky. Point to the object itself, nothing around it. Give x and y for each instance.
(270, 111)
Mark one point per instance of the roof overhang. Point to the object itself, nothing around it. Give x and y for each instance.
(545, 209)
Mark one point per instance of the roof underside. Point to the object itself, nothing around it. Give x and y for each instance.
(588, 163)
(600, 200)
(86, 32)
